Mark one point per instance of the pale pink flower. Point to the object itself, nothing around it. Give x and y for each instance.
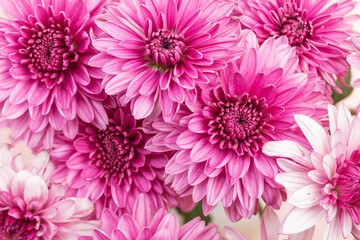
(144, 224)
(157, 52)
(354, 60)
(218, 140)
(324, 177)
(111, 166)
(46, 83)
(31, 208)
(319, 30)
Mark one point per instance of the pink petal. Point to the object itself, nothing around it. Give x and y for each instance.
(141, 211)
(108, 221)
(100, 235)
(143, 106)
(217, 189)
(269, 224)
(128, 225)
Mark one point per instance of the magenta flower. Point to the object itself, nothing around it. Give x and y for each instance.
(318, 29)
(144, 224)
(324, 177)
(32, 209)
(219, 139)
(50, 85)
(111, 166)
(156, 52)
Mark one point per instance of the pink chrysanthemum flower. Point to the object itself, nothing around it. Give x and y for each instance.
(318, 29)
(46, 83)
(145, 224)
(111, 166)
(324, 178)
(156, 52)
(31, 208)
(219, 142)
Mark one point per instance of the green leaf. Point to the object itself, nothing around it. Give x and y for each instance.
(337, 97)
(196, 212)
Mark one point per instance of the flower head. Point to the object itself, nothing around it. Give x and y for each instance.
(156, 52)
(46, 83)
(318, 29)
(219, 139)
(147, 224)
(31, 208)
(111, 166)
(323, 176)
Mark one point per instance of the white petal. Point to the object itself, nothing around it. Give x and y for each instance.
(66, 209)
(18, 183)
(333, 113)
(5, 155)
(41, 166)
(6, 175)
(289, 165)
(307, 196)
(332, 230)
(293, 181)
(83, 207)
(346, 224)
(331, 213)
(288, 149)
(329, 165)
(317, 176)
(35, 190)
(344, 119)
(300, 219)
(315, 134)
(305, 235)
(353, 141)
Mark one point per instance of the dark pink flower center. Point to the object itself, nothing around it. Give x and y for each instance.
(296, 27)
(14, 228)
(115, 148)
(48, 50)
(346, 186)
(165, 48)
(237, 123)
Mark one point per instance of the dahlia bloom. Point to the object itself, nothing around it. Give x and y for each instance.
(46, 83)
(324, 177)
(318, 29)
(145, 224)
(111, 166)
(157, 52)
(33, 209)
(218, 140)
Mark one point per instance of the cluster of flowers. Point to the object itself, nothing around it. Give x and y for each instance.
(138, 106)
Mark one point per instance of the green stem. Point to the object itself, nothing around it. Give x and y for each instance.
(260, 210)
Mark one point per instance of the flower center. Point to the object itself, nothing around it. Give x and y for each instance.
(116, 147)
(345, 187)
(48, 51)
(12, 228)
(297, 29)
(238, 123)
(116, 150)
(165, 48)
